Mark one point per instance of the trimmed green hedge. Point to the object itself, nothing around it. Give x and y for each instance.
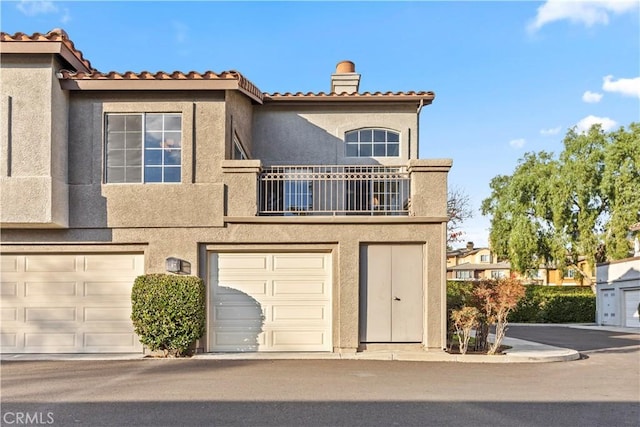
(541, 304)
(168, 311)
(555, 304)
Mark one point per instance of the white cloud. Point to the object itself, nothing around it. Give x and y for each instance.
(36, 7)
(591, 97)
(550, 131)
(517, 143)
(588, 13)
(180, 31)
(66, 17)
(605, 122)
(628, 87)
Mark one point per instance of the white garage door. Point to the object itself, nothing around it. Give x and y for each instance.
(631, 301)
(68, 303)
(270, 302)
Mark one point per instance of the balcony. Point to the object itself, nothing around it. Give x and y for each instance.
(413, 192)
(334, 190)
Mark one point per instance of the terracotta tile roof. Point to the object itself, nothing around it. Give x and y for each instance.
(242, 82)
(332, 96)
(55, 35)
(76, 79)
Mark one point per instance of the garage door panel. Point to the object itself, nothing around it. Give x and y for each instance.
(8, 341)
(44, 340)
(45, 289)
(50, 314)
(300, 287)
(8, 263)
(239, 339)
(239, 263)
(50, 307)
(8, 289)
(298, 312)
(297, 262)
(229, 288)
(102, 314)
(106, 340)
(50, 263)
(111, 263)
(299, 338)
(291, 302)
(8, 314)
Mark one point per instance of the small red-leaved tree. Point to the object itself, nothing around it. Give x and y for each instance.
(464, 320)
(496, 299)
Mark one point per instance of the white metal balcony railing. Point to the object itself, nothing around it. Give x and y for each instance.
(334, 190)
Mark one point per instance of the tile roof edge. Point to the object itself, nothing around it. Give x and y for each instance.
(55, 35)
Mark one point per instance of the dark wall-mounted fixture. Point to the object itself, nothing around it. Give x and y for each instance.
(177, 266)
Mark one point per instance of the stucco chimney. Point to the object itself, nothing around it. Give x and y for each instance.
(345, 78)
(470, 246)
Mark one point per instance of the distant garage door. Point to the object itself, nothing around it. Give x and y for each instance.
(631, 301)
(270, 302)
(68, 303)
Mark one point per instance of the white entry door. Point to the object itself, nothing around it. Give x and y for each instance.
(270, 302)
(391, 293)
(608, 307)
(62, 303)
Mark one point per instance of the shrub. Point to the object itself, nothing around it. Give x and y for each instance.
(555, 304)
(168, 311)
(496, 299)
(464, 320)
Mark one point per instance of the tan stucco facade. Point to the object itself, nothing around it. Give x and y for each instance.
(55, 198)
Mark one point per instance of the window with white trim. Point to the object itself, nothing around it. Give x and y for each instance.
(238, 151)
(143, 147)
(464, 274)
(372, 142)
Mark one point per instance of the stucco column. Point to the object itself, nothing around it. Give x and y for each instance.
(429, 186)
(241, 182)
(347, 303)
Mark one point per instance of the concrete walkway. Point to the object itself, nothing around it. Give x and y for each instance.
(521, 351)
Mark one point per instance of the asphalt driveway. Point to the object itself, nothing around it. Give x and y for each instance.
(582, 339)
(601, 390)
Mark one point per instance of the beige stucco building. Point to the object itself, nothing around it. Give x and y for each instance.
(310, 216)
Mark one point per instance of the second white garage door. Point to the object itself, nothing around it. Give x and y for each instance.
(270, 302)
(632, 315)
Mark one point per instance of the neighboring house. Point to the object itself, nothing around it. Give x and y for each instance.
(470, 263)
(618, 293)
(309, 215)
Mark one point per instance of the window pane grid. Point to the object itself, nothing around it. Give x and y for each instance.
(149, 140)
(372, 143)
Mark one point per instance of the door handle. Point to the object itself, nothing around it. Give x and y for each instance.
(396, 299)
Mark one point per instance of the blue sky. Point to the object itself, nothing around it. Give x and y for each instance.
(509, 77)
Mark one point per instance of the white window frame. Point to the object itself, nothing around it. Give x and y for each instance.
(238, 150)
(171, 143)
(381, 140)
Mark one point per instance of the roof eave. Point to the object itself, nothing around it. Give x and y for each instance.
(155, 84)
(48, 47)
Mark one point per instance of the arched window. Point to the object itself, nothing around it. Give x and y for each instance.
(372, 142)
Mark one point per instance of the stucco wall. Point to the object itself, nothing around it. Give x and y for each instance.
(301, 134)
(344, 241)
(34, 172)
(239, 113)
(197, 201)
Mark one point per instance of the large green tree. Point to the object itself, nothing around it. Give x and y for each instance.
(554, 210)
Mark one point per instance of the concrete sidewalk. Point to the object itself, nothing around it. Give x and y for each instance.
(521, 351)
